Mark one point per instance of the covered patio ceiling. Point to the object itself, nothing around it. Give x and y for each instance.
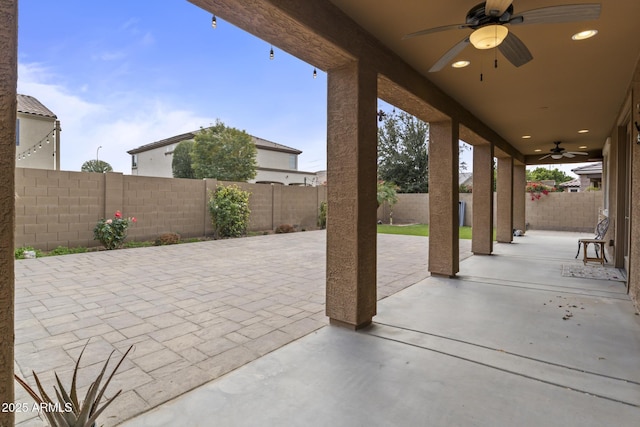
(568, 86)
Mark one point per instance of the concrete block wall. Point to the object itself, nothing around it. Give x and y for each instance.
(410, 209)
(59, 208)
(160, 205)
(555, 211)
(564, 211)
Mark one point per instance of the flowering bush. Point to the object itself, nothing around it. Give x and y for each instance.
(536, 190)
(112, 232)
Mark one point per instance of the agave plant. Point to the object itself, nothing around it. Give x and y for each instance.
(69, 411)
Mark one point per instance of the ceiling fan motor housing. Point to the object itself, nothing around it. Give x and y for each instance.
(477, 16)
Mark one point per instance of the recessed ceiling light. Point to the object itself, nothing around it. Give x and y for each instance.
(582, 35)
(582, 147)
(460, 64)
(526, 136)
(583, 131)
(537, 150)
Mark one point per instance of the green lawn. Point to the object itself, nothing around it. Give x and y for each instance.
(418, 230)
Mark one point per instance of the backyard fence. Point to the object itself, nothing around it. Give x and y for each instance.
(60, 208)
(554, 211)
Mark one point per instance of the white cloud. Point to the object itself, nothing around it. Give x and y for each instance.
(117, 123)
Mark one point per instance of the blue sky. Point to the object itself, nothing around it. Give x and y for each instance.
(122, 73)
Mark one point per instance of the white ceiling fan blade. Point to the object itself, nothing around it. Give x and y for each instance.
(435, 30)
(496, 7)
(569, 155)
(447, 57)
(558, 14)
(544, 157)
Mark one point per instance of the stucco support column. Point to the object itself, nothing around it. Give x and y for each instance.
(482, 240)
(444, 257)
(504, 188)
(634, 193)
(351, 193)
(519, 187)
(8, 85)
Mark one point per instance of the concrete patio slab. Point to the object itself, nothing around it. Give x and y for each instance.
(494, 347)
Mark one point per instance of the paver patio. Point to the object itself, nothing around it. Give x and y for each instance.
(193, 312)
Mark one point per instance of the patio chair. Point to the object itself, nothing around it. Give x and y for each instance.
(598, 240)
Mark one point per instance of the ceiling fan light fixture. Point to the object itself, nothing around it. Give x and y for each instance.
(556, 156)
(489, 36)
(461, 64)
(583, 35)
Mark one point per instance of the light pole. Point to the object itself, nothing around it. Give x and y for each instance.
(97, 151)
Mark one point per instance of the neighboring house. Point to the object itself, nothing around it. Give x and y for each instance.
(37, 135)
(572, 186)
(277, 164)
(590, 176)
(466, 179)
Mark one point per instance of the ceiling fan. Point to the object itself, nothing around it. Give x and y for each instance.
(489, 21)
(558, 152)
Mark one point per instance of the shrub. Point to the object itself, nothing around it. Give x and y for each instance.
(229, 208)
(112, 232)
(19, 253)
(167, 239)
(322, 216)
(285, 228)
(63, 250)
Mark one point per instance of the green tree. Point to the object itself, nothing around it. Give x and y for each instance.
(224, 153)
(544, 174)
(403, 152)
(99, 166)
(181, 162)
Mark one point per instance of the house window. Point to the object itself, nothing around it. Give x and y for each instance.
(17, 132)
(293, 161)
(134, 161)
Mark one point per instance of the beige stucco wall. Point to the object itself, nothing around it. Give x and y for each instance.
(55, 208)
(155, 162)
(274, 159)
(285, 177)
(33, 130)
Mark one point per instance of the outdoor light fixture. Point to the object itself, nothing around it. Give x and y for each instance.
(271, 53)
(214, 23)
(315, 73)
(489, 36)
(460, 64)
(583, 35)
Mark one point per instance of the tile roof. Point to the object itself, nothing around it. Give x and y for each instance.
(591, 168)
(259, 142)
(29, 105)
